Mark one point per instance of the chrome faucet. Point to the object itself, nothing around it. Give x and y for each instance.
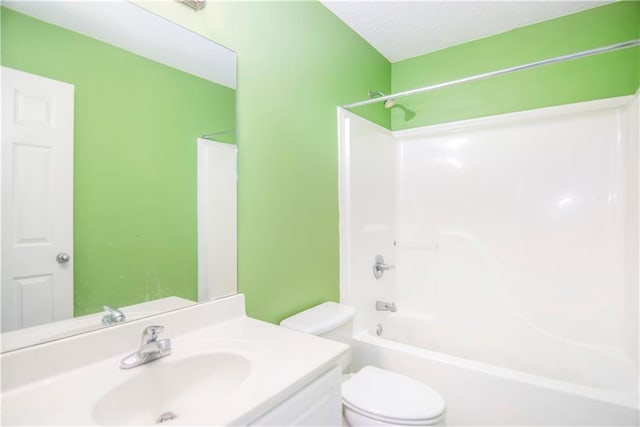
(113, 315)
(150, 348)
(379, 266)
(386, 306)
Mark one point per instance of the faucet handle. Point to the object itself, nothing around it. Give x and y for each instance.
(112, 315)
(379, 266)
(150, 334)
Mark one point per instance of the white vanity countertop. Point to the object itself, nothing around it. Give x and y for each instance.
(281, 361)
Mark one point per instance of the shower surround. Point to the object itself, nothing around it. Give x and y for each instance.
(515, 239)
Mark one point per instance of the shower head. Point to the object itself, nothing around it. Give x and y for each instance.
(376, 94)
(389, 103)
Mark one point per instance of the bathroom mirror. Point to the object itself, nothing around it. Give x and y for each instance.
(118, 167)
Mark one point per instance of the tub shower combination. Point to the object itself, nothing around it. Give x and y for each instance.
(515, 242)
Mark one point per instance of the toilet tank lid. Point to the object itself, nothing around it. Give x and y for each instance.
(320, 319)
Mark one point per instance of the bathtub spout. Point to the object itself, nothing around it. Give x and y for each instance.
(386, 306)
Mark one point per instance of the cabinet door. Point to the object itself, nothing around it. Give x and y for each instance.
(318, 403)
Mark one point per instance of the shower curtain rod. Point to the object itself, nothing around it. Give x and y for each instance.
(596, 51)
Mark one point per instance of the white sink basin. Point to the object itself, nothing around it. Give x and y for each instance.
(173, 387)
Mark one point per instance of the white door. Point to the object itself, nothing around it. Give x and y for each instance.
(37, 200)
(217, 219)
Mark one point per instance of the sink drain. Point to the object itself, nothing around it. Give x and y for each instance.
(165, 416)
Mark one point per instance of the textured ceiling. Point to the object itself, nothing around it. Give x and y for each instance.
(404, 29)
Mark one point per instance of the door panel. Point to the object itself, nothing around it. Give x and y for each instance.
(37, 199)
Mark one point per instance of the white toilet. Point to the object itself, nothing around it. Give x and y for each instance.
(372, 396)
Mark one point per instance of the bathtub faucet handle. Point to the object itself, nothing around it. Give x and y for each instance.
(379, 266)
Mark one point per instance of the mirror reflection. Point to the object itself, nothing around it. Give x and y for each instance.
(118, 168)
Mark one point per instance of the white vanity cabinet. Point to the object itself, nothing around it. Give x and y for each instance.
(319, 403)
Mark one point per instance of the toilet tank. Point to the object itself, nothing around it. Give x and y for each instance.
(328, 320)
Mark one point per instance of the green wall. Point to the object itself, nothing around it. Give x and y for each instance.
(602, 76)
(136, 123)
(296, 63)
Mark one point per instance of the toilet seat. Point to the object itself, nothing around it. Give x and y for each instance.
(392, 398)
(366, 419)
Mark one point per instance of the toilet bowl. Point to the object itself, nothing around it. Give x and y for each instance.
(372, 396)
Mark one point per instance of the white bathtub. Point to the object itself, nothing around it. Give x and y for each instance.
(483, 394)
(515, 241)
